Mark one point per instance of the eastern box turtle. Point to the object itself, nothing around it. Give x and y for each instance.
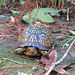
(36, 39)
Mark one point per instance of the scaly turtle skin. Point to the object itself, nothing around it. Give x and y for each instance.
(36, 39)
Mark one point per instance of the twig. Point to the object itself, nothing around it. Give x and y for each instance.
(19, 66)
(62, 4)
(72, 69)
(13, 61)
(51, 68)
(64, 40)
(65, 53)
(4, 21)
(67, 42)
(60, 60)
(12, 67)
(67, 14)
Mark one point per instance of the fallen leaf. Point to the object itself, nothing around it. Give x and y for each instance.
(49, 58)
(60, 68)
(45, 59)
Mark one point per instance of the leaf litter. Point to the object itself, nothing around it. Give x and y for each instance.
(13, 27)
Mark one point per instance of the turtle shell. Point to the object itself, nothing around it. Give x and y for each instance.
(37, 35)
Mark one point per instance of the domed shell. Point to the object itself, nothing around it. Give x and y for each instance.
(36, 35)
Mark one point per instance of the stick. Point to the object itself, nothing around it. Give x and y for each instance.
(13, 61)
(67, 14)
(67, 42)
(60, 60)
(12, 67)
(51, 68)
(18, 67)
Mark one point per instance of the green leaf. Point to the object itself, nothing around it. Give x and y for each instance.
(41, 14)
(22, 2)
(49, 10)
(1, 1)
(71, 31)
(15, 12)
(14, 1)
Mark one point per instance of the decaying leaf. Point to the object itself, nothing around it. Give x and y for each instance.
(60, 68)
(45, 59)
(49, 58)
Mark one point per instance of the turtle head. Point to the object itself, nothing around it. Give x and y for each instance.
(28, 50)
(31, 51)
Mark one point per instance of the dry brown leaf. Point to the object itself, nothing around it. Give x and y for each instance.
(49, 58)
(45, 59)
(60, 68)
